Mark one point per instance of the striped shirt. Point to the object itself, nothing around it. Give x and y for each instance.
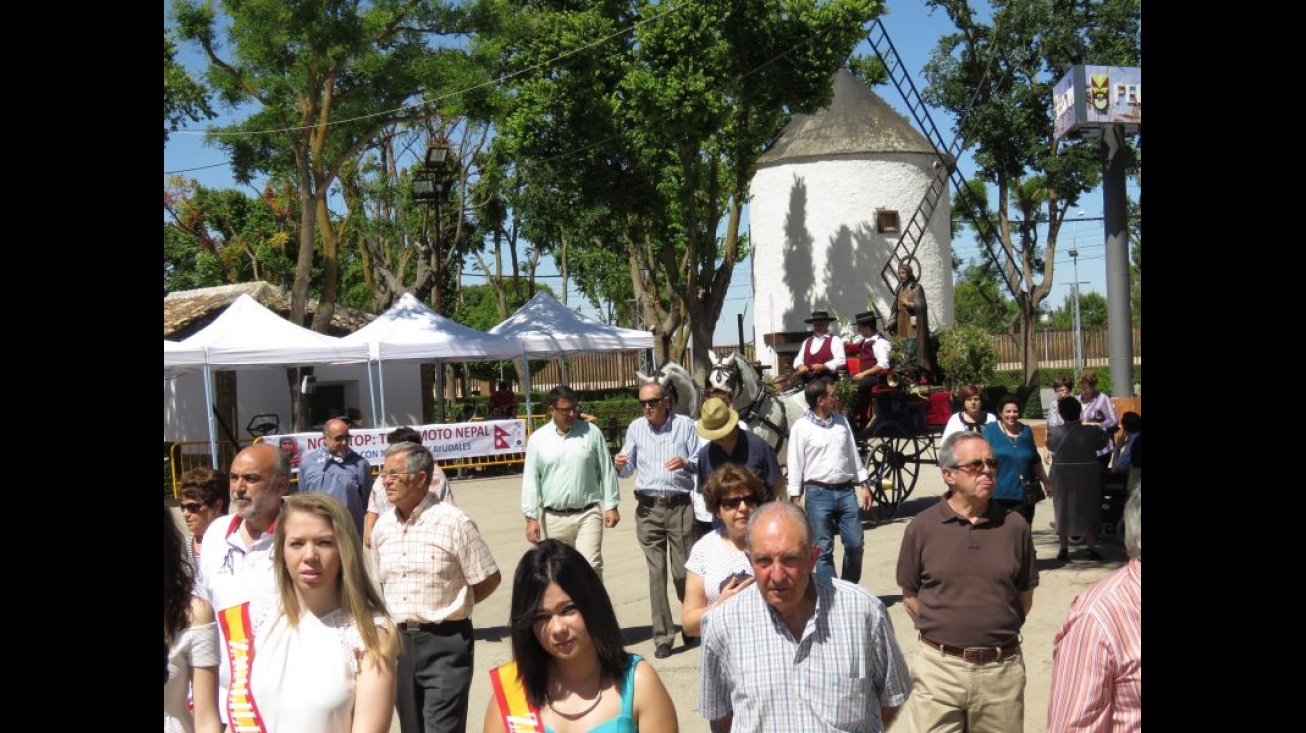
(428, 564)
(650, 448)
(837, 677)
(1097, 661)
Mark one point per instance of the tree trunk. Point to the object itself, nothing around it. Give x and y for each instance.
(326, 305)
(304, 262)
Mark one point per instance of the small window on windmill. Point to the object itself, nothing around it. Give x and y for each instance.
(886, 221)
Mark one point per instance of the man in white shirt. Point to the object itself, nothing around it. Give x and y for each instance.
(821, 354)
(236, 555)
(828, 481)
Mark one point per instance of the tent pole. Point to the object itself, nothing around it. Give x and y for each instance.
(526, 385)
(208, 400)
(371, 391)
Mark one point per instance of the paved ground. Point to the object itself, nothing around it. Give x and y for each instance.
(494, 504)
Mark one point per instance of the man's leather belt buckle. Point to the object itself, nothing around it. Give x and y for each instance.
(832, 487)
(977, 654)
(571, 511)
(667, 500)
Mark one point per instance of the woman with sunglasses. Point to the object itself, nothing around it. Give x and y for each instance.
(717, 567)
(204, 495)
(190, 643)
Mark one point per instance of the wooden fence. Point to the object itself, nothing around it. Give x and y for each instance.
(616, 370)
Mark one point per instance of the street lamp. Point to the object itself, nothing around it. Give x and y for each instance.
(1079, 338)
(430, 187)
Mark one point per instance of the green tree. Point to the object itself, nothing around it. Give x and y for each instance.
(1092, 312)
(184, 99)
(996, 78)
(323, 78)
(656, 130)
(978, 301)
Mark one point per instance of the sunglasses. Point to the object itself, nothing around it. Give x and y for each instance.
(734, 501)
(977, 465)
(651, 403)
(193, 507)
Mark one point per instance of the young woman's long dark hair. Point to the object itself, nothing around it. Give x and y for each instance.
(554, 562)
(178, 580)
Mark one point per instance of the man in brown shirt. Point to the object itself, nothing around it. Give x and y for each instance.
(967, 573)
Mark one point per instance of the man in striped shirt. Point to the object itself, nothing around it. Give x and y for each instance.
(661, 446)
(1097, 661)
(799, 652)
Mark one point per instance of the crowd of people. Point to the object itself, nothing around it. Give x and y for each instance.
(275, 620)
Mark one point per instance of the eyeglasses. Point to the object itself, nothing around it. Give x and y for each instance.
(250, 478)
(396, 474)
(977, 465)
(338, 438)
(565, 410)
(734, 501)
(652, 403)
(193, 507)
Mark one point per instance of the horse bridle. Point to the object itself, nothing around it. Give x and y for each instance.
(735, 378)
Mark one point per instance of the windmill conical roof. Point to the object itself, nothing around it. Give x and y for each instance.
(857, 122)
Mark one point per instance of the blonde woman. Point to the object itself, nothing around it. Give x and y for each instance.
(320, 656)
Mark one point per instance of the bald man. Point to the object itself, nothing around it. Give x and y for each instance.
(334, 469)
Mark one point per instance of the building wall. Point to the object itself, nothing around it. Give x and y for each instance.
(815, 245)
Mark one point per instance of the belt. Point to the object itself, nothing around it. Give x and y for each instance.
(435, 628)
(668, 500)
(585, 508)
(831, 487)
(977, 654)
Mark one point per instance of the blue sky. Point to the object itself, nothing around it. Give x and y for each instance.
(914, 30)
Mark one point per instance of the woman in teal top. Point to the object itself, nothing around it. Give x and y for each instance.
(574, 673)
(1018, 460)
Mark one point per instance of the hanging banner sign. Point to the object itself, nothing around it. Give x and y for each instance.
(445, 440)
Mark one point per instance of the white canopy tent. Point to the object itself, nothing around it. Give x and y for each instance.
(549, 329)
(248, 335)
(411, 330)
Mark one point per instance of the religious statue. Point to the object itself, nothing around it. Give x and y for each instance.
(912, 322)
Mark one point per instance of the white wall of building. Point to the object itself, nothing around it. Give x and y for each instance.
(815, 245)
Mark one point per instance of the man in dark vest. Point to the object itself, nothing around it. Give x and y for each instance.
(873, 369)
(821, 354)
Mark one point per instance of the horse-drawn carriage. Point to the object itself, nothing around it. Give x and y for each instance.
(901, 434)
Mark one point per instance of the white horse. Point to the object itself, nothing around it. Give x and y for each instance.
(766, 413)
(678, 384)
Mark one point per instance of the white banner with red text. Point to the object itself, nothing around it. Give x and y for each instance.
(446, 441)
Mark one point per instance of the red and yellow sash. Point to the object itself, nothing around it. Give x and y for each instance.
(519, 715)
(242, 711)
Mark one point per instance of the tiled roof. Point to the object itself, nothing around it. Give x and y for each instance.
(188, 311)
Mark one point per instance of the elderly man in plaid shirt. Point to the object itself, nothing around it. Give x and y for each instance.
(434, 565)
(802, 652)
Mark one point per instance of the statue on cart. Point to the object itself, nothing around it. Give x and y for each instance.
(912, 320)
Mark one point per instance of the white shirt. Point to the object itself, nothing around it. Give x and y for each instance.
(822, 450)
(812, 344)
(955, 424)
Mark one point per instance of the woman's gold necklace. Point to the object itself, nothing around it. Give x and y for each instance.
(579, 713)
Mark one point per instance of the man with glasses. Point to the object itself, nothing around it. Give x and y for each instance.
(236, 555)
(434, 566)
(967, 573)
(661, 446)
(569, 487)
(827, 480)
(336, 470)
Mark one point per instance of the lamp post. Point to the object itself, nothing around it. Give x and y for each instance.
(1079, 340)
(430, 186)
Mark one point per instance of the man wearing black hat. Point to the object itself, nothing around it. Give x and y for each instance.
(873, 353)
(821, 354)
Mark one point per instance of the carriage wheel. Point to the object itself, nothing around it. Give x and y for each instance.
(894, 465)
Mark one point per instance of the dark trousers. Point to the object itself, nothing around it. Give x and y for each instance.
(433, 677)
(861, 400)
(665, 534)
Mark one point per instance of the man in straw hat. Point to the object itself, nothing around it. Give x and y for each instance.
(729, 442)
(821, 354)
